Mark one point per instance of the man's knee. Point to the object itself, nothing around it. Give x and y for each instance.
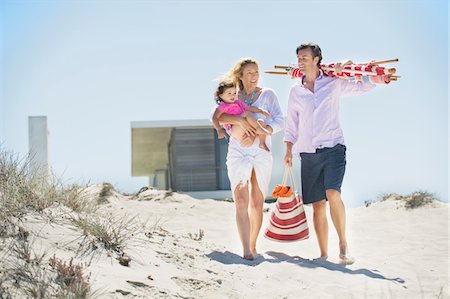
(333, 195)
(320, 207)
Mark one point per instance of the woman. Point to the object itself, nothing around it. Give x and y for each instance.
(249, 166)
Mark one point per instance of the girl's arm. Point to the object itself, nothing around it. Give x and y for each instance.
(215, 119)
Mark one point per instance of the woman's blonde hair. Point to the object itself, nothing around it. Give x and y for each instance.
(236, 71)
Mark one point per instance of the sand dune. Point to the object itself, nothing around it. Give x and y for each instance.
(189, 248)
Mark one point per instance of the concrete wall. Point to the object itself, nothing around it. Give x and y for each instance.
(38, 145)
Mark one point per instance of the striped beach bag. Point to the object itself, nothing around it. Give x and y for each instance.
(288, 220)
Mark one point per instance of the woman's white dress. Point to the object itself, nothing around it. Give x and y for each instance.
(241, 160)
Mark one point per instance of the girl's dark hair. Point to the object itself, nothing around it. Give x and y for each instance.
(315, 49)
(221, 89)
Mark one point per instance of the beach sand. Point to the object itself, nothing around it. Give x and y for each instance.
(190, 249)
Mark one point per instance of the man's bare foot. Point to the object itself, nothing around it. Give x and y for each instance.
(344, 256)
(264, 147)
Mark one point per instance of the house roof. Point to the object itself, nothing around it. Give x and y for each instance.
(171, 123)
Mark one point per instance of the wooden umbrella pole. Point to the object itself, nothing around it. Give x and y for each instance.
(281, 67)
(384, 61)
(276, 72)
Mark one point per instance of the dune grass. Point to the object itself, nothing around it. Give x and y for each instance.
(23, 191)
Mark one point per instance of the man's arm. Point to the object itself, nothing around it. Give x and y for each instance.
(349, 87)
(291, 130)
(288, 155)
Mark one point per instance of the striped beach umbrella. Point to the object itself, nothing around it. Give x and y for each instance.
(369, 72)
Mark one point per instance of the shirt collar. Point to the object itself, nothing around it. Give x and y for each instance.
(318, 77)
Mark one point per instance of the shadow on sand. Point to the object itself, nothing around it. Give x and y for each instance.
(279, 257)
(230, 258)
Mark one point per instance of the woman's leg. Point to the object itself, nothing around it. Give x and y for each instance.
(256, 212)
(242, 219)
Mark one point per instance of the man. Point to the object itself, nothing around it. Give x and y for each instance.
(313, 131)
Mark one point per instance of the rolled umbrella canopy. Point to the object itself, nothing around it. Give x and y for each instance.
(369, 72)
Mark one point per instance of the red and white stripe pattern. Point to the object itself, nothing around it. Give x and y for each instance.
(288, 220)
(359, 72)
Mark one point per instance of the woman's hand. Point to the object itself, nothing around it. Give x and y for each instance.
(247, 140)
(246, 127)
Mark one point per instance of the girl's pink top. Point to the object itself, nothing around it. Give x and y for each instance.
(236, 108)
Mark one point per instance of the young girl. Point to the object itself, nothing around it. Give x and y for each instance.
(228, 103)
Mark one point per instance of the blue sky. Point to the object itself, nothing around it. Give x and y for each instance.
(92, 67)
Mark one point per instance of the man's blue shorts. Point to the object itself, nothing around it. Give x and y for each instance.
(321, 171)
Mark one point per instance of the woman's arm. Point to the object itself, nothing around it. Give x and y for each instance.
(258, 110)
(276, 122)
(239, 121)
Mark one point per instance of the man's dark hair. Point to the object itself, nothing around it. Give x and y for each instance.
(315, 49)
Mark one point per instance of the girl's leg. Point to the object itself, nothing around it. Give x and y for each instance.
(260, 126)
(242, 219)
(262, 142)
(237, 132)
(256, 212)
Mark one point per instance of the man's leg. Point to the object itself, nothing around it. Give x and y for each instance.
(334, 175)
(321, 226)
(337, 211)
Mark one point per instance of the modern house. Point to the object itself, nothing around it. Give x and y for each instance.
(184, 156)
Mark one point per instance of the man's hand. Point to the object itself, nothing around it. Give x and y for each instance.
(340, 66)
(288, 159)
(247, 141)
(288, 156)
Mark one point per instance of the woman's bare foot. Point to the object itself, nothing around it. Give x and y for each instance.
(248, 256)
